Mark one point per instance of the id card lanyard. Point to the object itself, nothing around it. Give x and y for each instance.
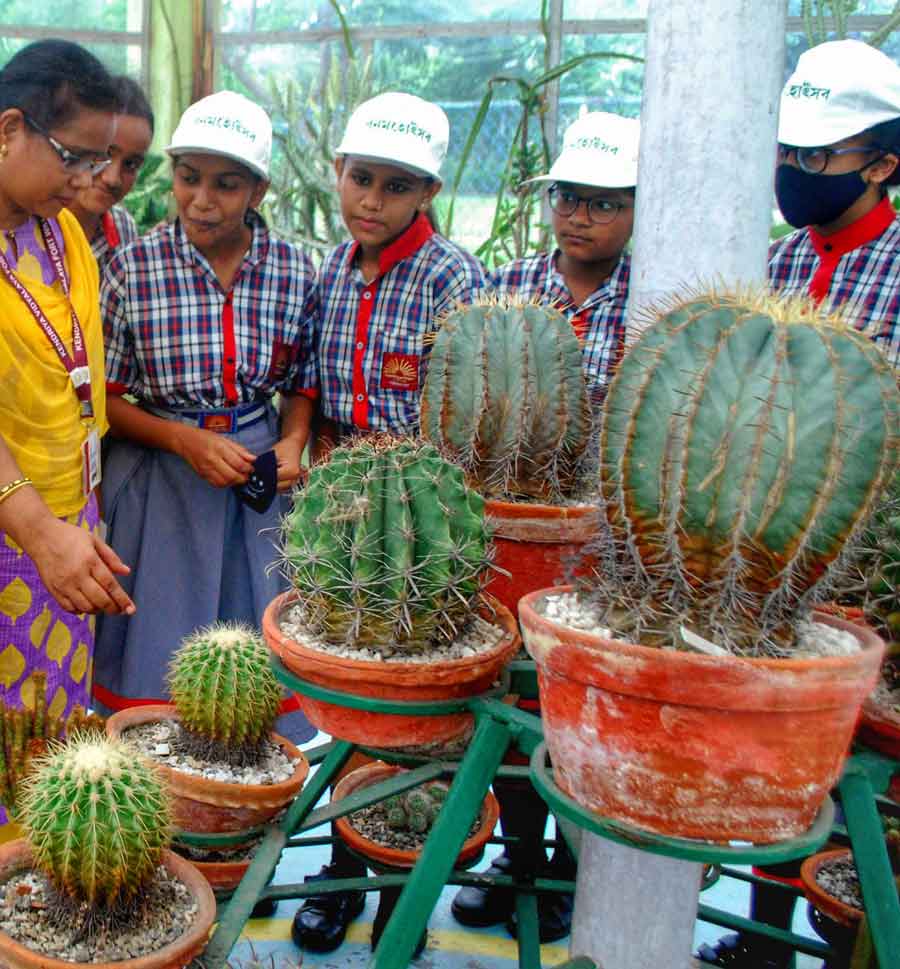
(76, 363)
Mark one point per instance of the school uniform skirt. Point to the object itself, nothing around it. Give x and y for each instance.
(197, 554)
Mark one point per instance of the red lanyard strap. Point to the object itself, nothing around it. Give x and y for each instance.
(76, 363)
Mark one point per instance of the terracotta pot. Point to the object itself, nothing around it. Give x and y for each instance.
(399, 857)
(223, 876)
(16, 855)
(539, 545)
(696, 746)
(206, 806)
(879, 727)
(828, 904)
(389, 681)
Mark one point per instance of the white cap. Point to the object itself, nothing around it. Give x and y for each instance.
(227, 124)
(839, 89)
(399, 129)
(599, 149)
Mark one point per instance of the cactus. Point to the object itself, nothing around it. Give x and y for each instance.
(386, 547)
(744, 441)
(415, 810)
(881, 567)
(505, 397)
(97, 817)
(225, 692)
(25, 735)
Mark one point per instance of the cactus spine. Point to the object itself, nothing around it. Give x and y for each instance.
(744, 441)
(416, 810)
(506, 398)
(223, 687)
(97, 817)
(386, 546)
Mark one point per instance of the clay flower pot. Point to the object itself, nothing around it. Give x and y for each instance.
(830, 905)
(539, 545)
(689, 745)
(380, 854)
(16, 855)
(879, 726)
(207, 806)
(449, 679)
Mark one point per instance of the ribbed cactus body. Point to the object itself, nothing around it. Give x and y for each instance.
(506, 398)
(742, 445)
(416, 810)
(386, 545)
(223, 687)
(881, 567)
(97, 817)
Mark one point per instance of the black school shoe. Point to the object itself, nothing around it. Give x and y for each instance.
(739, 951)
(554, 917)
(320, 924)
(480, 907)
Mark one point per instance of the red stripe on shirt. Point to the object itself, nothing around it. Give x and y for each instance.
(110, 230)
(229, 365)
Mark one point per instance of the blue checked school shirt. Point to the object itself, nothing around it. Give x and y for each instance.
(174, 338)
(856, 269)
(599, 322)
(371, 346)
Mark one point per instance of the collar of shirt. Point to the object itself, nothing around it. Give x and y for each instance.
(259, 246)
(607, 290)
(405, 245)
(109, 230)
(866, 228)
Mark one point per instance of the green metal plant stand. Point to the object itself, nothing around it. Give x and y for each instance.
(498, 726)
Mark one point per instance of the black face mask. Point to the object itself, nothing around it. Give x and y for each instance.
(806, 199)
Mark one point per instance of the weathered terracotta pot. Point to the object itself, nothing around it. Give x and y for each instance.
(696, 746)
(826, 903)
(398, 857)
(16, 855)
(539, 545)
(389, 681)
(879, 726)
(206, 806)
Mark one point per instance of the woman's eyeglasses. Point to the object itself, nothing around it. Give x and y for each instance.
(600, 211)
(814, 161)
(73, 162)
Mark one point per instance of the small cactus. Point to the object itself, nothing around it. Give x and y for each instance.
(386, 547)
(225, 691)
(97, 817)
(416, 810)
(506, 399)
(744, 441)
(881, 567)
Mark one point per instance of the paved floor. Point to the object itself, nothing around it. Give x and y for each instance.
(450, 945)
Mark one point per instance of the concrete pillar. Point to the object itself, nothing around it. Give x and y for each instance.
(714, 69)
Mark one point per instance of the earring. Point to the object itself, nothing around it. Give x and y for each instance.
(4, 151)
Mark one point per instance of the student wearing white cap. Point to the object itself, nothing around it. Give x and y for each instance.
(591, 188)
(380, 296)
(205, 320)
(839, 150)
(838, 153)
(382, 292)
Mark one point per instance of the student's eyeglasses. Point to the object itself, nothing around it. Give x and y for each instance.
(600, 211)
(72, 161)
(814, 161)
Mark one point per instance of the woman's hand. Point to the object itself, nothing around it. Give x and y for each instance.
(215, 457)
(78, 568)
(289, 469)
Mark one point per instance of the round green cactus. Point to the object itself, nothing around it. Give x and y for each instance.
(744, 441)
(97, 817)
(223, 687)
(416, 810)
(386, 546)
(506, 398)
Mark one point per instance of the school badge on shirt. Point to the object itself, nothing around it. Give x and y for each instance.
(400, 371)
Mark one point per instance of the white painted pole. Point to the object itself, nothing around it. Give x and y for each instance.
(714, 69)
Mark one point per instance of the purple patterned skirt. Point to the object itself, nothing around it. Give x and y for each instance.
(36, 633)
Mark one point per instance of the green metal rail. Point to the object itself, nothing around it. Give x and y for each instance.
(499, 726)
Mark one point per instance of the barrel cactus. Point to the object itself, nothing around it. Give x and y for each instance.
(386, 547)
(506, 398)
(881, 566)
(416, 810)
(224, 690)
(744, 441)
(97, 817)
